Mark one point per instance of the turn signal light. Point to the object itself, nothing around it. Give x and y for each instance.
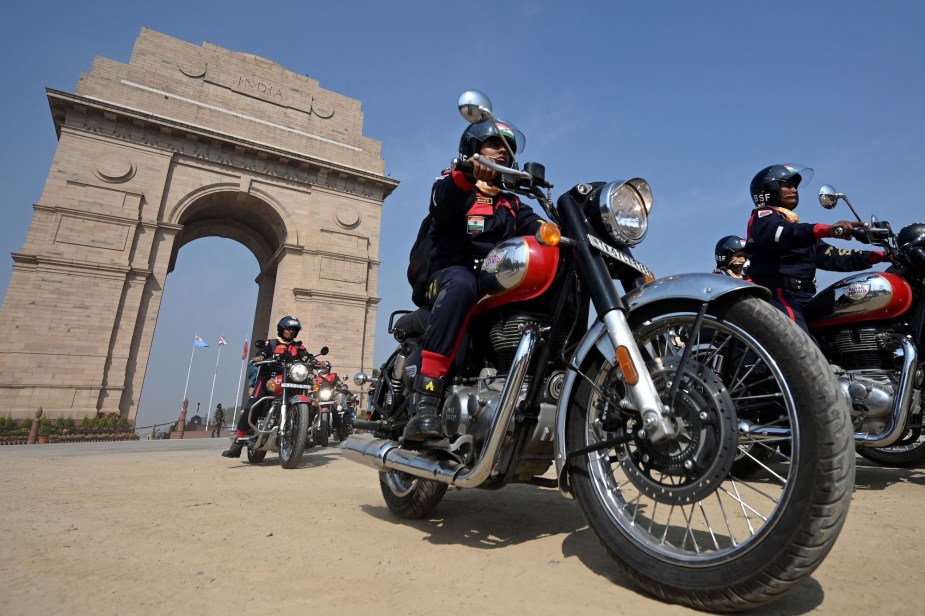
(549, 234)
(630, 376)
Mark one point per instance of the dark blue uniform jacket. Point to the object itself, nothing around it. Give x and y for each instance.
(467, 223)
(778, 249)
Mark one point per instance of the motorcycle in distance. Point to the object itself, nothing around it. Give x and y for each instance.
(636, 410)
(344, 410)
(871, 328)
(284, 427)
(322, 409)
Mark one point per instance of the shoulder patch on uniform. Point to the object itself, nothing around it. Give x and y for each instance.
(763, 213)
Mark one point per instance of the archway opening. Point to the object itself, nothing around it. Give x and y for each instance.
(212, 293)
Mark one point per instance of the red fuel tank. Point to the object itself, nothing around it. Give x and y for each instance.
(869, 296)
(521, 267)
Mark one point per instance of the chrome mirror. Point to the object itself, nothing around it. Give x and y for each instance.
(474, 106)
(828, 196)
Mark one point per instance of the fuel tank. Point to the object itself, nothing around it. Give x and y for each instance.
(869, 296)
(515, 270)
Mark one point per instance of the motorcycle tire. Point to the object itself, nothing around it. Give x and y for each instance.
(292, 445)
(674, 515)
(324, 432)
(255, 456)
(908, 452)
(410, 498)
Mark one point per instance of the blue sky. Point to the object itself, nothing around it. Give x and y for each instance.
(695, 97)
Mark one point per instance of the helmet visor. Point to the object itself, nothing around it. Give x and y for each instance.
(800, 175)
(511, 134)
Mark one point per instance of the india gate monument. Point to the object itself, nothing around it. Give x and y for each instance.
(181, 143)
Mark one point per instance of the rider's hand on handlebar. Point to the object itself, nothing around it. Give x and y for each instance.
(842, 229)
(257, 358)
(481, 172)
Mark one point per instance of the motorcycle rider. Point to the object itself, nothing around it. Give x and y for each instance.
(470, 214)
(783, 252)
(730, 257)
(285, 343)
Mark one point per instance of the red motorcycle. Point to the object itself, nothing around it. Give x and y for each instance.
(637, 411)
(284, 425)
(871, 326)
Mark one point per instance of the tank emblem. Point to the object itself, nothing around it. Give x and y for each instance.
(492, 262)
(857, 291)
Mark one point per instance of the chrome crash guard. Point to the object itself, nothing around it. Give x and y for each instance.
(384, 454)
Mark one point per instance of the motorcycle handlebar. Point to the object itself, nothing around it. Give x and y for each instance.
(466, 167)
(870, 235)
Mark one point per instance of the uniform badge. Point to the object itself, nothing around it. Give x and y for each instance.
(486, 200)
(763, 213)
(476, 224)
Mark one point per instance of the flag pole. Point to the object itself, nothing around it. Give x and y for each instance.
(237, 392)
(189, 370)
(214, 374)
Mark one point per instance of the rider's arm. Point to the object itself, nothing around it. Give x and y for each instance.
(769, 230)
(450, 196)
(835, 259)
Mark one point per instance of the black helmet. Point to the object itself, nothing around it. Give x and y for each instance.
(727, 247)
(910, 233)
(288, 322)
(765, 186)
(472, 137)
(912, 239)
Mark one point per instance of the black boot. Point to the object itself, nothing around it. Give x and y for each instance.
(425, 421)
(235, 450)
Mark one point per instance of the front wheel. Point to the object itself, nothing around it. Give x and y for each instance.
(324, 430)
(292, 444)
(677, 516)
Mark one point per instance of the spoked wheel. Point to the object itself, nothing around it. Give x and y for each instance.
(676, 515)
(292, 443)
(408, 497)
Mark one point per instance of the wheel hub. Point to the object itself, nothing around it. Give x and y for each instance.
(689, 467)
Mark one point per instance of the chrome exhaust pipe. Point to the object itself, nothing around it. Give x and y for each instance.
(901, 402)
(383, 454)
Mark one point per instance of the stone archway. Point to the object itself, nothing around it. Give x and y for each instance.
(185, 142)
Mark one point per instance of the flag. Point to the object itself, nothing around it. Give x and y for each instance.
(222, 341)
(244, 352)
(199, 342)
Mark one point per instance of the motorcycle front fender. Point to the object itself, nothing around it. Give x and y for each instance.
(299, 399)
(704, 288)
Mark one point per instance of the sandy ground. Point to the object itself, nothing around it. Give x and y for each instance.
(170, 527)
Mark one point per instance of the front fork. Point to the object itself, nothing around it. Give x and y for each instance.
(642, 395)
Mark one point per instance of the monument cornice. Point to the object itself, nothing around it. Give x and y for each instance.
(307, 294)
(60, 101)
(69, 265)
(76, 213)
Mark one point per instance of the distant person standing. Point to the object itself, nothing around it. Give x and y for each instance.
(218, 421)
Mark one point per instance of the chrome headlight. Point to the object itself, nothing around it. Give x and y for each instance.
(625, 208)
(325, 394)
(298, 373)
